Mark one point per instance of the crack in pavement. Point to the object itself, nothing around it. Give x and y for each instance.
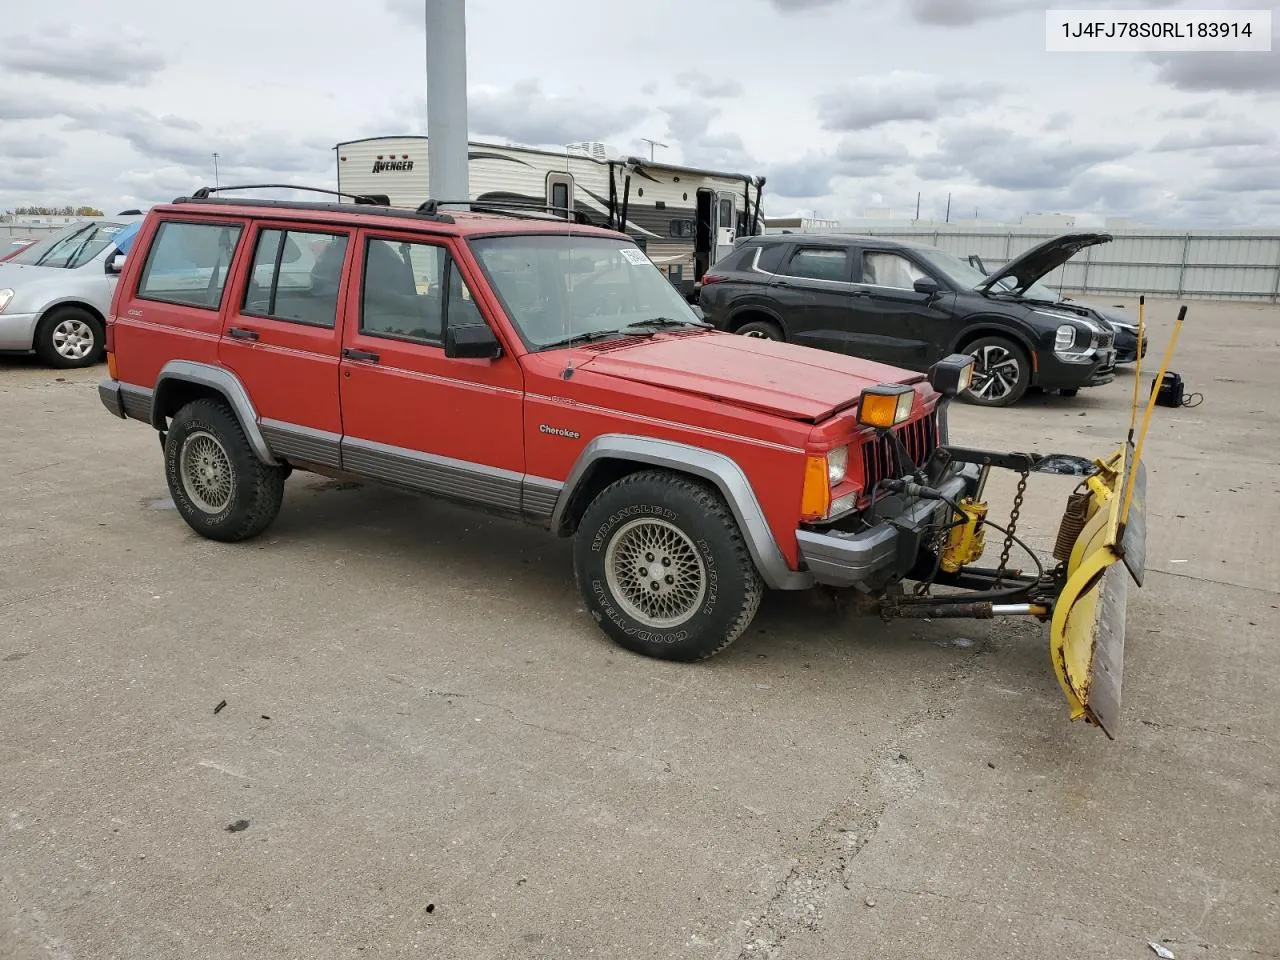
(832, 846)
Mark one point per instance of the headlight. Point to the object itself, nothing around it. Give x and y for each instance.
(5, 297)
(837, 465)
(1065, 338)
(885, 405)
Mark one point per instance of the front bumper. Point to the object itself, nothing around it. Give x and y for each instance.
(874, 558)
(18, 331)
(1055, 374)
(1127, 347)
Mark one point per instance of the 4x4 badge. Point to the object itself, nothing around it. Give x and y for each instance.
(559, 431)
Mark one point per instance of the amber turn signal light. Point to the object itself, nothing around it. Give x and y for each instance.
(885, 405)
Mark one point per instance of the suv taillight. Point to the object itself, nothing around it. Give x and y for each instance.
(711, 278)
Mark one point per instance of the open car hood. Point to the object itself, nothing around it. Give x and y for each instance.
(1042, 260)
(798, 383)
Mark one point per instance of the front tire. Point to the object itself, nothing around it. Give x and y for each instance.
(1001, 373)
(219, 486)
(68, 338)
(664, 569)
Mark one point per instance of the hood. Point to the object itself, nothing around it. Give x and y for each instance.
(1042, 260)
(798, 383)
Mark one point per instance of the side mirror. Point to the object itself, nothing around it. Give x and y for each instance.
(927, 286)
(115, 263)
(951, 375)
(474, 341)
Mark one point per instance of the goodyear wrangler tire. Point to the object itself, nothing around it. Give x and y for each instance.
(220, 488)
(664, 569)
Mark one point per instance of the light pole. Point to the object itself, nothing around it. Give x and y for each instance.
(446, 24)
(652, 144)
(216, 184)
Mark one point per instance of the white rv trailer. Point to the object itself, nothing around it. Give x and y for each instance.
(685, 219)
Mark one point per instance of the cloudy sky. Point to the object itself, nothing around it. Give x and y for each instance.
(843, 104)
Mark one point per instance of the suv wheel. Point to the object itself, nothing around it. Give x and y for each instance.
(1001, 372)
(220, 487)
(69, 337)
(664, 569)
(760, 329)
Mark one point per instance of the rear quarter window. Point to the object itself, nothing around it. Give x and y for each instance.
(771, 257)
(188, 263)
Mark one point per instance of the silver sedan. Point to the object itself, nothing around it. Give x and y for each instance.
(55, 295)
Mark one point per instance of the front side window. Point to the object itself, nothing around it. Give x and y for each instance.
(188, 263)
(558, 287)
(295, 277)
(883, 269)
(819, 263)
(402, 293)
(73, 247)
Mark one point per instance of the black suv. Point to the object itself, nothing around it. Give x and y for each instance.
(910, 305)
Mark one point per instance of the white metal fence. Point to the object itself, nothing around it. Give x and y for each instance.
(1204, 264)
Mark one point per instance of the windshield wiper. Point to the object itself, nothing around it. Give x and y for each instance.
(589, 336)
(666, 322)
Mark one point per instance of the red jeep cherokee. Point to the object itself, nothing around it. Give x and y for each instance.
(529, 366)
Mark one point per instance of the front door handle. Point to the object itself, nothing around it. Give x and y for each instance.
(352, 354)
(242, 333)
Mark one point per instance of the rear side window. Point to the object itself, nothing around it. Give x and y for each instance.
(819, 263)
(295, 277)
(188, 263)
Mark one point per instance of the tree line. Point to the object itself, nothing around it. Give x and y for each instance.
(67, 211)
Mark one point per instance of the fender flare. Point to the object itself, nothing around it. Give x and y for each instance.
(224, 382)
(984, 326)
(722, 471)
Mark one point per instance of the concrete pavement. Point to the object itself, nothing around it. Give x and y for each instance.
(437, 753)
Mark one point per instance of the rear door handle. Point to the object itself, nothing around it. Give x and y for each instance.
(351, 354)
(242, 333)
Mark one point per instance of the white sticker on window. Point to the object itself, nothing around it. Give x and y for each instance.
(634, 256)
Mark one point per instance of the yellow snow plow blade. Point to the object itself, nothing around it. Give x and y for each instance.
(1087, 633)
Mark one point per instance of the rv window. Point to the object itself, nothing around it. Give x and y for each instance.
(560, 197)
(681, 228)
(726, 214)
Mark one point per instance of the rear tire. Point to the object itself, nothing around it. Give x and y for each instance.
(664, 569)
(760, 329)
(218, 484)
(1001, 374)
(68, 338)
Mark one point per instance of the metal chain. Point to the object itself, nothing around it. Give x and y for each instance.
(1013, 526)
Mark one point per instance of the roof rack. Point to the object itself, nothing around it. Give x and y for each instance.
(374, 199)
(520, 209)
(373, 203)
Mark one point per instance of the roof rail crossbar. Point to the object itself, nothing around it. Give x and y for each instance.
(520, 209)
(373, 199)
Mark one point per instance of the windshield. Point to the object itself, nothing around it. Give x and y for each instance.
(562, 286)
(70, 248)
(952, 268)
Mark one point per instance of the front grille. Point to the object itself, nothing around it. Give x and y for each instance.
(1106, 338)
(920, 437)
